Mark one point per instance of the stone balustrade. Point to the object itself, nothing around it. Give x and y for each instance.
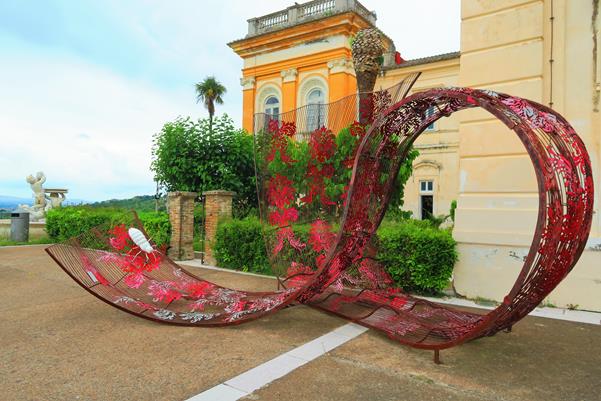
(300, 13)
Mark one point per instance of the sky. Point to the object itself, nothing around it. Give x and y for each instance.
(85, 84)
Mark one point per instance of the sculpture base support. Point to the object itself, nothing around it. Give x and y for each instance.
(437, 357)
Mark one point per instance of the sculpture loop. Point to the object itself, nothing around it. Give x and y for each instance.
(331, 265)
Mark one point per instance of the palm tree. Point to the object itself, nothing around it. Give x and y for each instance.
(209, 92)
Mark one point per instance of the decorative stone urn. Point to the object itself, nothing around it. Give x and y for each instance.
(368, 51)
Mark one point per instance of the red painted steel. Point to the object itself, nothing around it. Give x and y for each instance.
(332, 264)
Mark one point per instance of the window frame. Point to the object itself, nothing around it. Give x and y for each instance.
(320, 119)
(430, 112)
(429, 190)
(267, 107)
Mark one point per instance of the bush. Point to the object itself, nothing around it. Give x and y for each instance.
(157, 226)
(419, 257)
(68, 222)
(337, 158)
(453, 209)
(188, 156)
(239, 245)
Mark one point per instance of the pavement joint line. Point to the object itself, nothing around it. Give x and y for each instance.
(24, 245)
(577, 316)
(198, 263)
(262, 375)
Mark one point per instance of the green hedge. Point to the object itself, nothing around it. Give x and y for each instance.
(239, 245)
(419, 257)
(71, 221)
(157, 226)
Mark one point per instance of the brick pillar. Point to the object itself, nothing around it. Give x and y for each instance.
(218, 206)
(181, 216)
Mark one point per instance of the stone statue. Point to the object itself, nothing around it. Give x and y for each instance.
(56, 200)
(36, 186)
(38, 210)
(41, 202)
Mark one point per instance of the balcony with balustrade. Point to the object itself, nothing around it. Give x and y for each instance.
(305, 12)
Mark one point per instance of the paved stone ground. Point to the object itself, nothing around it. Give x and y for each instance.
(57, 342)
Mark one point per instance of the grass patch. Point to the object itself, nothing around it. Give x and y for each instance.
(36, 241)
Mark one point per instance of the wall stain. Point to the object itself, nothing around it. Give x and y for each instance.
(513, 254)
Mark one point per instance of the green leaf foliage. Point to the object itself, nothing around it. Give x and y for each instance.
(71, 221)
(239, 245)
(146, 203)
(189, 156)
(341, 161)
(453, 208)
(210, 92)
(418, 256)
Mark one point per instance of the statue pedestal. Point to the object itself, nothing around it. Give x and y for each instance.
(56, 195)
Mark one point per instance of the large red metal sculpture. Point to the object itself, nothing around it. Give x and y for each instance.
(332, 265)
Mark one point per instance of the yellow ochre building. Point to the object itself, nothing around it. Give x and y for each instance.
(544, 50)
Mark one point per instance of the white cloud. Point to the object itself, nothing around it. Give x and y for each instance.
(89, 124)
(87, 128)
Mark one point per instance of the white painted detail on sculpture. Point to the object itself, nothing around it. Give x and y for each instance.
(140, 240)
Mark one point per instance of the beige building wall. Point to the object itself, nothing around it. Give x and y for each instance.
(506, 46)
(543, 50)
(438, 159)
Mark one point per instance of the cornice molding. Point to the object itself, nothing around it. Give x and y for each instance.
(428, 163)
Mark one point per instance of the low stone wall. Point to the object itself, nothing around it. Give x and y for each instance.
(36, 229)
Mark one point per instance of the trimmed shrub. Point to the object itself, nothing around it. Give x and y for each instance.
(239, 245)
(67, 222)
(418, 256)
(157, 226)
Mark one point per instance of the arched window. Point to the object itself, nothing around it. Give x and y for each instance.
(272, 106)
(316, 111)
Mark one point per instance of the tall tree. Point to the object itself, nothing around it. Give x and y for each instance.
(209, 92)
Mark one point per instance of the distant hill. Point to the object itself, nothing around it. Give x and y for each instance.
(75, 202)
(142, 203)
(10, 203)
